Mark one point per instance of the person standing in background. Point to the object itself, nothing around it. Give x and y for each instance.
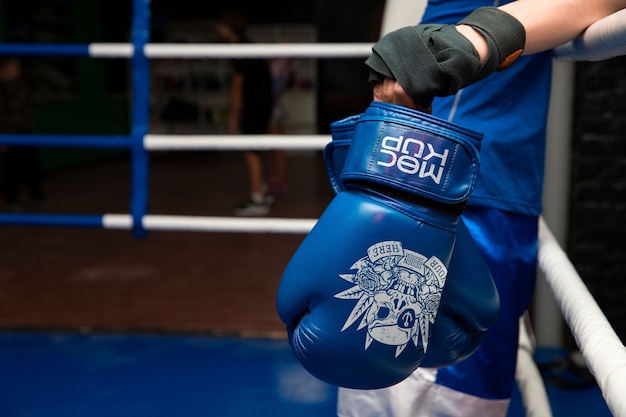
(251, 104)
(281, 78)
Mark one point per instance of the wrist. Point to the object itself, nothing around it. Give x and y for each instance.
(504, 34)
(478, 40)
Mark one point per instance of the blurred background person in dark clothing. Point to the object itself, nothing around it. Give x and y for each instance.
(251, 104)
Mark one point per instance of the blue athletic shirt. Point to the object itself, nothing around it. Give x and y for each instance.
(513, 149)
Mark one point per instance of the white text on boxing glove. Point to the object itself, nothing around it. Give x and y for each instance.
(413, 161)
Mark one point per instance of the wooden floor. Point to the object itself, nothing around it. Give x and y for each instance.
(94, 279)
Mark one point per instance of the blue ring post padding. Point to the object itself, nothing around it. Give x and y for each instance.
(57, 49)
(63, 220)
(140, 35)
(69, 141)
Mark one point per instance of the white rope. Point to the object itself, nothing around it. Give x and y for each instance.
(604, 39)
(211, 224)
(255, 50)
(602, 349)
(259, 50)
(532, 389)
(235, 142)
(111, 50)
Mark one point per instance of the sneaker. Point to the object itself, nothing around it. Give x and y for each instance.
(253, 208)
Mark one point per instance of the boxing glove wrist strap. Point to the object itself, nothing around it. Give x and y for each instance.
(414, 153)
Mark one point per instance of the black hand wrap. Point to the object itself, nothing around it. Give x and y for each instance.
(431, 60)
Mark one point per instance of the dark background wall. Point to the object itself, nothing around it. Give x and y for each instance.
(597, 244)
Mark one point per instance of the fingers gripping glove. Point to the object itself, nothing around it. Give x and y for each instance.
(469, 304)
(360, 295)
(431, 60)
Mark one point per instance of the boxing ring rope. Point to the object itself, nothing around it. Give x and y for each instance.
(600, 346)
(193, 51)
(602, 349)
(235, 142)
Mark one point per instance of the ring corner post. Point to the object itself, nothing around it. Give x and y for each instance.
(140, 96)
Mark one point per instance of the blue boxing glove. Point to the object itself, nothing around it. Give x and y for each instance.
(469, 304)
(360, 295)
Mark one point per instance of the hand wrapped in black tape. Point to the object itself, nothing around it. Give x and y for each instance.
(431, 60)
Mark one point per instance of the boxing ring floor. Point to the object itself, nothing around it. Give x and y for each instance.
(72, 374)
(101, 323)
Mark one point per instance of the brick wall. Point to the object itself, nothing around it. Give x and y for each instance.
(597, 244)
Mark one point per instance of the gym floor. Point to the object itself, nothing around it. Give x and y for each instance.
(100, 323)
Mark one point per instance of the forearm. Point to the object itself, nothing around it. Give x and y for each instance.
(552, 23)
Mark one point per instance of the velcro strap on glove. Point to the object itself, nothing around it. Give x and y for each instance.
(431, 60)
(413, 152)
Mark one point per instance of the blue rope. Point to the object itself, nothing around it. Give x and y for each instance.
(66, 141)
(63, 220)
(23, 49)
